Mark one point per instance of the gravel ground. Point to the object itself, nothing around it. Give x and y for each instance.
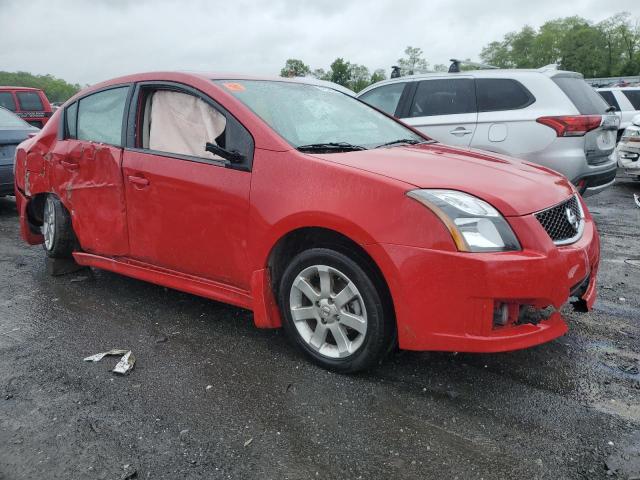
(213, 397)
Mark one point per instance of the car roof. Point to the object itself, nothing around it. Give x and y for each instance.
(4, 87)
(606, 89)
(548, 71)
(185, 75)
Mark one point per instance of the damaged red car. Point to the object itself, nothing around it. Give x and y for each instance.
(316, 211)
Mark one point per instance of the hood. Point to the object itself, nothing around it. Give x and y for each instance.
(512, 186)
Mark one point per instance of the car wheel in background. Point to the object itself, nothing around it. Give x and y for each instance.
(333, 311)
(59, 239)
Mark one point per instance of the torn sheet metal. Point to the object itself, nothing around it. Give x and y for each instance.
(123, 367)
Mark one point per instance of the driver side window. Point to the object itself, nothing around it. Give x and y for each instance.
(180, 123)
(176, 122)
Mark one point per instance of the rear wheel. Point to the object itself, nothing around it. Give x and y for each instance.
(334, 312)
(59, 239)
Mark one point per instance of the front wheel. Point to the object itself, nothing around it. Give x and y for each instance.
(59, 239)
(334, 311)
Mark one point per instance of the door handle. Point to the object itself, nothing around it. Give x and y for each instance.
(138, 181)
(460, 131)
(69, 165)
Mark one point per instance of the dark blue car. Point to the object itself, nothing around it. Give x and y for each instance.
(13, 130)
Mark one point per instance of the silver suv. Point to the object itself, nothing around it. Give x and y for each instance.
(547, 116)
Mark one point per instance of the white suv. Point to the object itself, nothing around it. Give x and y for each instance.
(547, 116)
(625, 100)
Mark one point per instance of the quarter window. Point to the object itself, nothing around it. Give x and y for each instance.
(634, 97)
(610, 99)
(71, 117)
(498, 94)
(444, 97)
(385, 98)
(30, 101)
(7, 101)
(100, 116)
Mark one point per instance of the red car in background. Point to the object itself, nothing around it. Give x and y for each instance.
(312, 209)
(30, 104)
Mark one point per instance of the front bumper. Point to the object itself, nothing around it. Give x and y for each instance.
(629, 157)
(446, 300)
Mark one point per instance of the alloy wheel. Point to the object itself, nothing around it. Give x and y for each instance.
(49, 222)
(328, 311)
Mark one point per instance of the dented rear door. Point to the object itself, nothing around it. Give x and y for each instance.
(87, 171)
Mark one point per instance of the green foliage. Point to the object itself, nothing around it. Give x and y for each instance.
(340, 72)
(295, 68)
(378, 75)
(57, 90)
(412, 62)
(608, 48)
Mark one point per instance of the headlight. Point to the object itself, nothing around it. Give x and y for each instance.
(474, 224)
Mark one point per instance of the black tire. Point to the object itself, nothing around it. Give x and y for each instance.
(63, 240)
(380, 335)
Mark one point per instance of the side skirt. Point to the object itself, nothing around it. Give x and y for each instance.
(168, 278)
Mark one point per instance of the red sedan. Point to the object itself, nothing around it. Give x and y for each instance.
(314, 210)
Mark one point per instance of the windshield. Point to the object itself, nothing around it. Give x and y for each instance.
(311, 115)
(10, 120)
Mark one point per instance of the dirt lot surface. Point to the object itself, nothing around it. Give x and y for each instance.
(213, 397)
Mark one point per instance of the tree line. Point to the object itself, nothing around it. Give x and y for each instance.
(609, 48)
(357, 77)
(57, 90)
(604, 49)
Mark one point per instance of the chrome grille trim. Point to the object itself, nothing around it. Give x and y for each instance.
(555, 221)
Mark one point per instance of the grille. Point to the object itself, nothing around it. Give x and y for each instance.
(555, 221)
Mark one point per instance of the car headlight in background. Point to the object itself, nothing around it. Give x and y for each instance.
(631, 134)
(474, 224)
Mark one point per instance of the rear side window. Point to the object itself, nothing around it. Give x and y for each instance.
(495, 94)
(634, 97)
(100, 116)
(70, 118)
(584, 97)
(7, 101)
(385, 98)
(444, 97)
(30, 101)
(610, 99)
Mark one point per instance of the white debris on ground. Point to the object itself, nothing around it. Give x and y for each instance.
(123, 367)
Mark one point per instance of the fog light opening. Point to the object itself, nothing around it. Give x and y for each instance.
(533, 315)
(500, 314)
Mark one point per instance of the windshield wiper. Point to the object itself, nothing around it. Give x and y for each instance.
(330, 146)
(409, 141)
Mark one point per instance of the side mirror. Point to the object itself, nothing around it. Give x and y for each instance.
(233, 156)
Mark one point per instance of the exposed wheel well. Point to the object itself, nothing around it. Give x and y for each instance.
(316, 237)
(35, 211)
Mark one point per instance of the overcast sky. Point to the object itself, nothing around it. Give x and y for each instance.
(89, 41)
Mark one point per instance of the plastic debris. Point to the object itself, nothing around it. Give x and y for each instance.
(636, 197)
(248, 442)
(125, 364)
(99, 356)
